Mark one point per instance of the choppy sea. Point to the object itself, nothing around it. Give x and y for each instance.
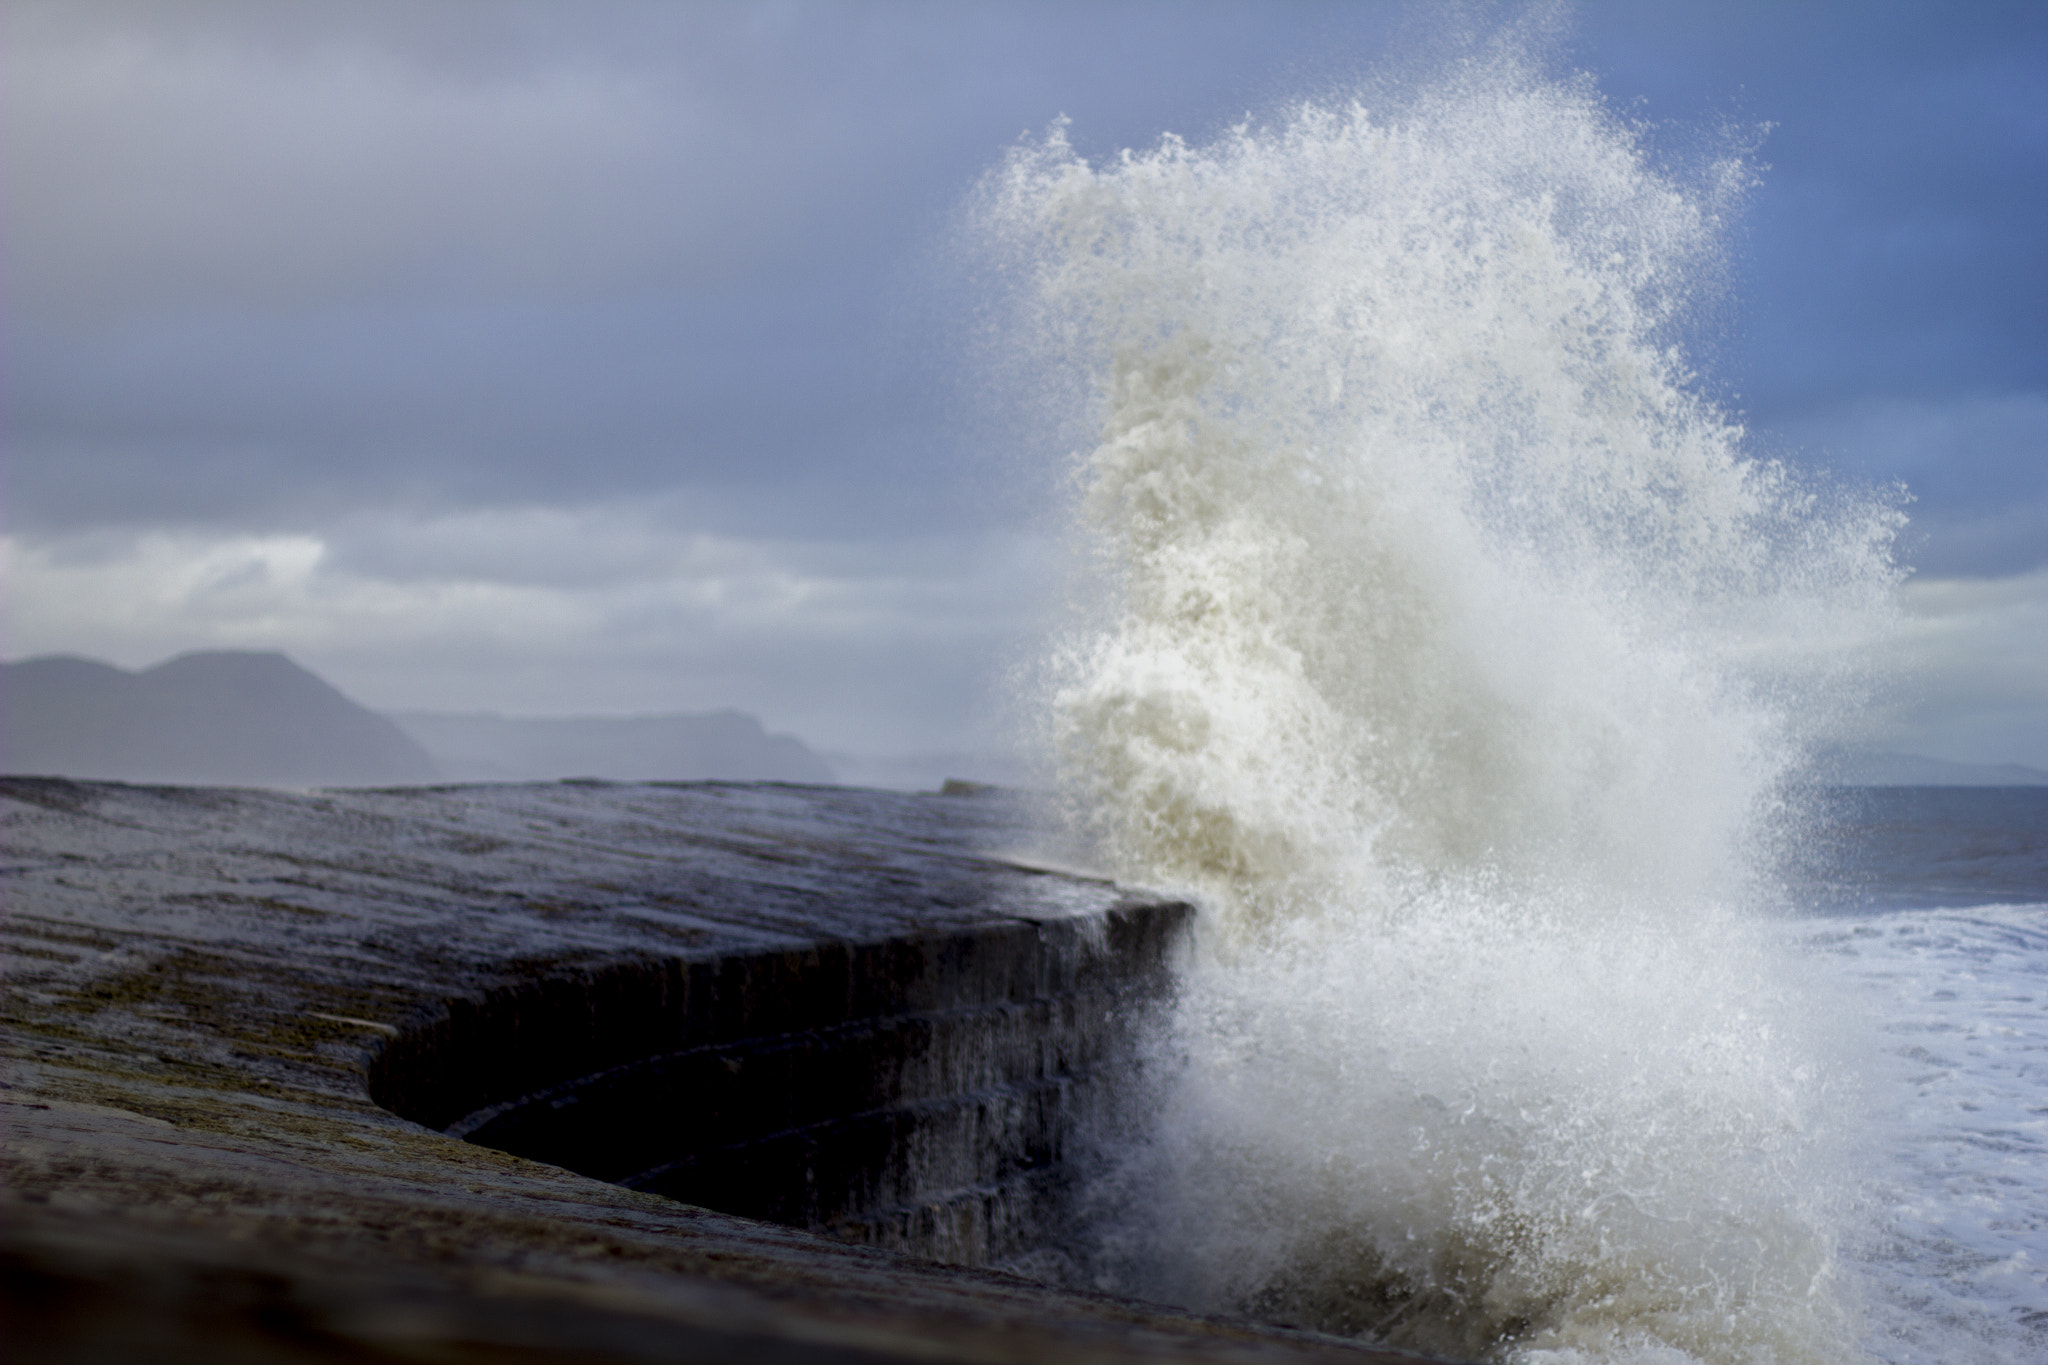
(1932, 902)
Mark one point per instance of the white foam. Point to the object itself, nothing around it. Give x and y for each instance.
(1956, 1156)
(1450, 647)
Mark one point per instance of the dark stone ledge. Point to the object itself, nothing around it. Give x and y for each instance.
(247, 1034)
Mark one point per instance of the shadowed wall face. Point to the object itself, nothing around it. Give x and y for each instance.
(932, 1095)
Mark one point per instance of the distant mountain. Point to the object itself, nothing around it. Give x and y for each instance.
(215, 718)
(674, 748)
(930, 771)
(1912, 770)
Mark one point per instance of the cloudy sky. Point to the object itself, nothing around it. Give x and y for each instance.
(599, 358)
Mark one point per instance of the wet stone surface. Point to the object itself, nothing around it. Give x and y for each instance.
(247, 1033)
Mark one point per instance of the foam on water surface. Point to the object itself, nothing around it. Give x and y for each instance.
(1451, 646)
(1955, 1255)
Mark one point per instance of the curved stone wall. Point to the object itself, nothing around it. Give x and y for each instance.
(845, 1010)
(923, 1093)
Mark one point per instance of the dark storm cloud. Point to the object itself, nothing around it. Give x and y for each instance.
(1893, 312)
(273, 258)
(325, 260)
(1895, 245)
(227, 417)
(266, 258)
(413, 311)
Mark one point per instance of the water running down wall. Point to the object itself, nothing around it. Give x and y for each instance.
(925, 1093)
(1454, 653)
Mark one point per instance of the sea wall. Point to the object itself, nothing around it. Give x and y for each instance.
(393, 1075)
(923, 1093)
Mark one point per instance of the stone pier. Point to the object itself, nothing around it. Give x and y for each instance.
(566, 1071)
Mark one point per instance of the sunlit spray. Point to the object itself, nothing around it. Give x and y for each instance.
(1452, 648)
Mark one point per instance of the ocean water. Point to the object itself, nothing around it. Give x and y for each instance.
(1931, 904)
(1436, 628)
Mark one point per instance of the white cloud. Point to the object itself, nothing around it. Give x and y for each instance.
(871, 648)
(267, 262)
(1972, 660)
(234, 164)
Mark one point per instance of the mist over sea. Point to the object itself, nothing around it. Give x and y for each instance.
(1440, 633)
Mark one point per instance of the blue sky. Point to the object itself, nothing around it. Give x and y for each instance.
(600, 358)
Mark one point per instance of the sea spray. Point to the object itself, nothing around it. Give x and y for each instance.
(1452, 649)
